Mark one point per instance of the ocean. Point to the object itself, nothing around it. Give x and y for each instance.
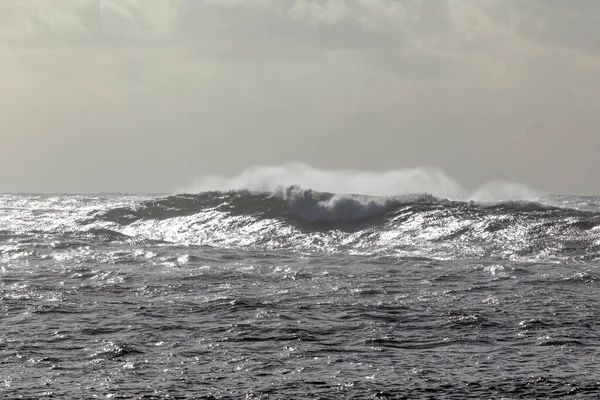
(298, 294)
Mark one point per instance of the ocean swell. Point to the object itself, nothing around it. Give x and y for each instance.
(378, 214)
(296, 219)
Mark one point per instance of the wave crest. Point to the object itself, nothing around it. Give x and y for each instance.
(373, 183)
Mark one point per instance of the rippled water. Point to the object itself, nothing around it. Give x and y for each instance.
(301, 295)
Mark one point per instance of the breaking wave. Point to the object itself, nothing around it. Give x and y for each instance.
(294, 203)
(296, 219)
(390, 214)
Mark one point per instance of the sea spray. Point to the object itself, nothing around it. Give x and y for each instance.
(429, 180)
(343, 181)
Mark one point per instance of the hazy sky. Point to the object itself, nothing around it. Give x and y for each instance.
(148, 95)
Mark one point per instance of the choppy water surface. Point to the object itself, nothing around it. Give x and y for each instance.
(298, 294)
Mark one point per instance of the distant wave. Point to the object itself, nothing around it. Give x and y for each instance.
(295, 204)
(361, 214)
(294, 218)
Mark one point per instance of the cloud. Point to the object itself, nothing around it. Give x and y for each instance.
(444, 26)
(326, 82)
(451, 42)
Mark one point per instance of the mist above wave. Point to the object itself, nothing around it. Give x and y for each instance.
(429, 180)
(346, 181)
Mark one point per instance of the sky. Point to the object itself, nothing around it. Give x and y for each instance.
(151, 95)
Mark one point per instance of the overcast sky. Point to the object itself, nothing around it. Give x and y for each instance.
(148, 95)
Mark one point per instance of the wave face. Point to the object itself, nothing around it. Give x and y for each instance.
(294, 219)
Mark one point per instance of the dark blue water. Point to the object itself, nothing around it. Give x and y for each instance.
(298, 295)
